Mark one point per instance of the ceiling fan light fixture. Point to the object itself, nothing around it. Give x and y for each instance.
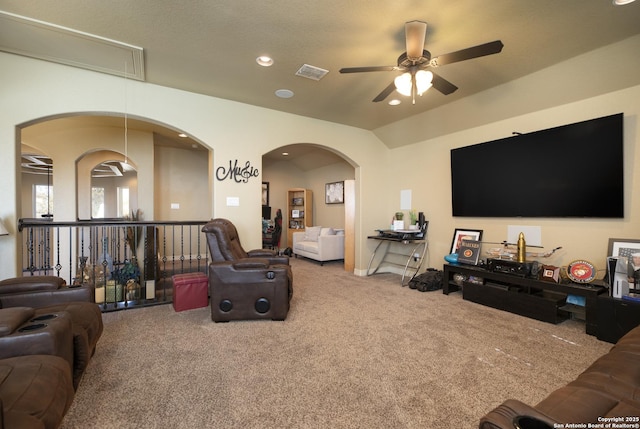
(423, 81)
(403, 84)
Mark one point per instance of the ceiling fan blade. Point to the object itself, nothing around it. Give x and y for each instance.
(385, 92)
(415, 33)
(469, 53)
(443, 85)
(368, 69)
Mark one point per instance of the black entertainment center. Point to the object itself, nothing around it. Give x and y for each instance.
(537, 299)
(569, 171)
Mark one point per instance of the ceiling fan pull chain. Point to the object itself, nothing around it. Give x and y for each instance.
(413, 87)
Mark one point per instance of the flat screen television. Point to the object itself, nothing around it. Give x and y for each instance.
(568, 171)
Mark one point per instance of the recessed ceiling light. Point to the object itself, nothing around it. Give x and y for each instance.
(264, 61)
(394, 102)
(183, 135)
(285, 153)
(621, 2)
(284, 93)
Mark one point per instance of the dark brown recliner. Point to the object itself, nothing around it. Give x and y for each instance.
(35, 392)
(224, 244)
(245, 285)
(36, 360)
(39, 291)
(249, 288)
(50, 294)
(22, 333)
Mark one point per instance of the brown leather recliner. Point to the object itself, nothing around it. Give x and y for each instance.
(22, 332)
(224, 244)
(39, 291)
(35, 392)
(245, 285)
(36, 360)
(249, 288)
(50, 294)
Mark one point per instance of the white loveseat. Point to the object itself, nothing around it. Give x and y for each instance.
(320, 244)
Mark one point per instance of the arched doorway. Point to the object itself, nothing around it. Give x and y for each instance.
(157, 152)
(312, 166)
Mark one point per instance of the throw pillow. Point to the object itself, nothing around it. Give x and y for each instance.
(327, 231)
(311, 233)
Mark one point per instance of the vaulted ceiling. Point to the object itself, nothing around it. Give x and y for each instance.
(211, 47)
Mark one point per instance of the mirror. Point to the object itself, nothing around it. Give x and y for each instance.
(114, 190)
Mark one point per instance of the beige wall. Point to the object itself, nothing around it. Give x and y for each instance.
(182, 178)
(579, 238)
(33, 89)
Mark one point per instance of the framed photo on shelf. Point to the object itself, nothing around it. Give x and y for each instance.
(334, 193)
(628, 253)
(464, 234)
(623, 247)
(265, 193)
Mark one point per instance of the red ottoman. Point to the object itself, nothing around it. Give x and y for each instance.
(190, 291)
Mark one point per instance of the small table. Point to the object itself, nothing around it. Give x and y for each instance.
(412, 240)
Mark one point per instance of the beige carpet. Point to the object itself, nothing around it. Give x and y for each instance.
(354, 353)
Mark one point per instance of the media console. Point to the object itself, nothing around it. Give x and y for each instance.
(537, 299)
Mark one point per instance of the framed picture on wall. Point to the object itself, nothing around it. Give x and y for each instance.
(265, 193)
(334, 193)
(464, 234)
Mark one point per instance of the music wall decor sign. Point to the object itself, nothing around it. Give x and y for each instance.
(237, 173)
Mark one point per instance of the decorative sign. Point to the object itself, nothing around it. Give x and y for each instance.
(236, 173)
(581, 271)
(469, 252)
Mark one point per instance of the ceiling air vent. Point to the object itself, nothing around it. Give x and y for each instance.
(44, 41)
(311, 72)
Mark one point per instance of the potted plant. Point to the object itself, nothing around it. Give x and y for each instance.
(128, 275)
(414, 216)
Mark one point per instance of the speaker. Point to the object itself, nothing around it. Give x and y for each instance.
(262, 305)
(225, 305)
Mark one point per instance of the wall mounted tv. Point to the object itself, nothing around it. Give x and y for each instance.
(569, 171)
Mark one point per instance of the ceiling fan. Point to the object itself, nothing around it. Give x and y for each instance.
(416, 79)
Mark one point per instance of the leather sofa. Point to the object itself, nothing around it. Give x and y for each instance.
(606, 392)
(36, 368)
(319, 244)
(50, 295)
(36, 392)
(39, 291)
